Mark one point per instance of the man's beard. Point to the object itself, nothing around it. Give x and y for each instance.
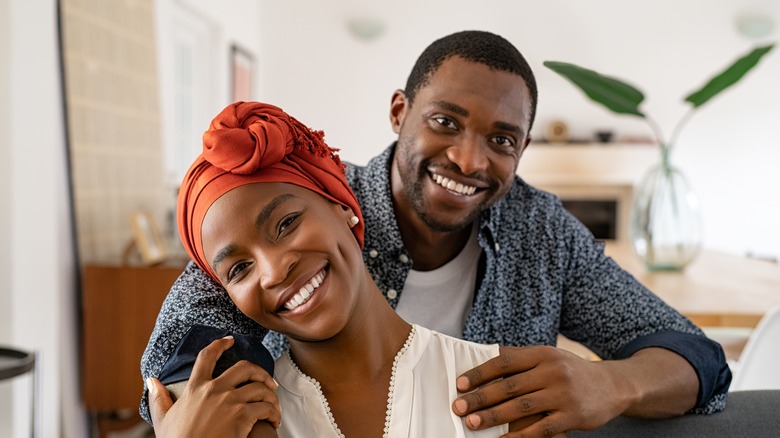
(413, 186)
(417, 200)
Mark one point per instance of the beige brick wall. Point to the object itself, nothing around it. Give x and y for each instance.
(113, 108)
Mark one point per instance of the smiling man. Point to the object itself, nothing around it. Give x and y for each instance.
(458, 243)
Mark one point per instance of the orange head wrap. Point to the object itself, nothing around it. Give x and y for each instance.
(251, 142)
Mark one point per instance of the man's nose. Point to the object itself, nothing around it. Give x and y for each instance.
(469, 154)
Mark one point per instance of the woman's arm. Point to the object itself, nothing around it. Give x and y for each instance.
(226, 406)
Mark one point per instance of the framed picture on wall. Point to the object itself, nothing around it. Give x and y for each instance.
(147, 238)
(241, 71)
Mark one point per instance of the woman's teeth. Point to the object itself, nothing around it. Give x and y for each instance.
(452, 185)
(305, 292)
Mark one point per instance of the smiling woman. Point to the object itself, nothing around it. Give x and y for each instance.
(267, 212)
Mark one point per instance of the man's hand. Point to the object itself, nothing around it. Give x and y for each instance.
(566, 392)
(221, 407)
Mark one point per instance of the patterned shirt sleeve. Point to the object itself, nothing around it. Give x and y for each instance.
(614, 315)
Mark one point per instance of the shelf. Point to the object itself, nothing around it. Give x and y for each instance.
(548, 165)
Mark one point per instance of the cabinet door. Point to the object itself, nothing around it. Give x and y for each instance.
(120, 306)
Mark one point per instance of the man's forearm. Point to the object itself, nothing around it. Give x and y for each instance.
(660, 382)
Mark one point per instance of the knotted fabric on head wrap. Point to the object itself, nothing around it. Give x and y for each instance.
(251, 142)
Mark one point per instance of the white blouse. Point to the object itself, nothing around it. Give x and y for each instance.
(422, 389)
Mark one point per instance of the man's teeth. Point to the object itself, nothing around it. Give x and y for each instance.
(452, 185)
(305, 292)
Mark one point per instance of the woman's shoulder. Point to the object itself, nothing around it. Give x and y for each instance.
(459, 354)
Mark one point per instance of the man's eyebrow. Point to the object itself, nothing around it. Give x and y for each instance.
(511, 127)
(265, 213)
(457, 109)
(449, 106)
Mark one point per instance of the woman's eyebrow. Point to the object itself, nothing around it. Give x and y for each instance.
(224, 252)
(265, 213)
(261, 219)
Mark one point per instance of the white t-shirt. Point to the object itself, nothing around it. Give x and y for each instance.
(421, 393)
(441, 299)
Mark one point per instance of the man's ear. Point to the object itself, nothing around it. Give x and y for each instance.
(398, 107)
(525, 146)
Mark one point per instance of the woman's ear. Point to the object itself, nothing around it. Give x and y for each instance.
(349, 216)
(352, 218)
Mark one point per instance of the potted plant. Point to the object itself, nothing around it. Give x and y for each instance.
(665, 222)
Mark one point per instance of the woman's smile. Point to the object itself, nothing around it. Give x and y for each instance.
(306, 291)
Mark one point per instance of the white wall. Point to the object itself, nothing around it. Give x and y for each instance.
(215, 29)
(314, 68)
(5, 200)
(40, 265)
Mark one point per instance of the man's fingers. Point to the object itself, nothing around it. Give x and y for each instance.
(509, 361)
(207, 359)
(543, 425)
(159, 400)
(508, 389)
(506, 412)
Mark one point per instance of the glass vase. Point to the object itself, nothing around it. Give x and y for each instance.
(665, 223)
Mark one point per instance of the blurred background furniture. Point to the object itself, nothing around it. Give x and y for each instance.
(15, 363)
(715, 290)
(747, 414)
(758, 365)
(120, 307)
(724, 294)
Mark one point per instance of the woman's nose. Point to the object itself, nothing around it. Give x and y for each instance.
(275, 267)
(469, 155)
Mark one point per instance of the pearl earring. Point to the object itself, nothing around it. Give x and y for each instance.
(353, 221)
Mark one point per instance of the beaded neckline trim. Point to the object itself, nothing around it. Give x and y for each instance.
(390, 394)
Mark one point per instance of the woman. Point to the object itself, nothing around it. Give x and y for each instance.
(267, 212)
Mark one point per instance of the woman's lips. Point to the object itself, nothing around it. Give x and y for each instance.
(306, 291)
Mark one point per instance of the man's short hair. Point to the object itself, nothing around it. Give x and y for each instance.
(477, 46)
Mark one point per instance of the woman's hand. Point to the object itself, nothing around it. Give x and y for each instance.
(228, 406)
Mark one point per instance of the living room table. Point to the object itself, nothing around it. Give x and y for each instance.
(724, 294)
(715, 290)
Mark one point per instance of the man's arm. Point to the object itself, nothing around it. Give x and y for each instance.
(193, 299)
(573, 392)
(657, 362)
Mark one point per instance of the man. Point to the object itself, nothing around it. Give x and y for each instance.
(459, 244)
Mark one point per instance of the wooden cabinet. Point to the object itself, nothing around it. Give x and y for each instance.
(120, 305)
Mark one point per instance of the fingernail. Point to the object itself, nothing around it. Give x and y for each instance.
(275, 383)
(461, 406)
(462, 383)
(475, 421)
(228, 337)
(150, 386)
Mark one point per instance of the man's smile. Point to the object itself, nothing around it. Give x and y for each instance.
(452, 185)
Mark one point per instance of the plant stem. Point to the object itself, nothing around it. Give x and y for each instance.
(659, 137)
(678, 128)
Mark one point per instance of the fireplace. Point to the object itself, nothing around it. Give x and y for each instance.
(601, 217)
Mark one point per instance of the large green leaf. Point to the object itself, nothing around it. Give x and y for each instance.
(728, 77)
(614, 94)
